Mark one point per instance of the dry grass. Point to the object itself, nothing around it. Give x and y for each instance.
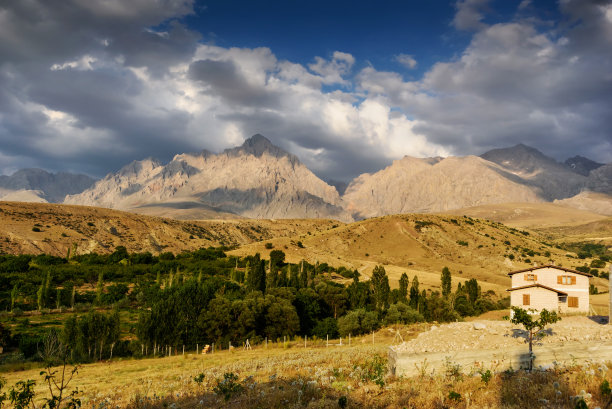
(63, 227)
(318, 377)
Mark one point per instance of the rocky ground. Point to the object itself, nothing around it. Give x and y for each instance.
(459, 336)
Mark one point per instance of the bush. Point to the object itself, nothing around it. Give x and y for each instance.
(403, 314)
(228, 386)
(328, 326)
(358, 322)
(36, 229)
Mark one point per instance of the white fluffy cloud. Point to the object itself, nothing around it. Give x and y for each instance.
(97, 87)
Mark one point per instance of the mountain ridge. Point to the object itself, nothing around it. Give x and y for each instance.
(261, 180)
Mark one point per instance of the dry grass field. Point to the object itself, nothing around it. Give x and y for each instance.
(316, 376)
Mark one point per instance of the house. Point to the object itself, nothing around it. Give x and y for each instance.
(551, 287)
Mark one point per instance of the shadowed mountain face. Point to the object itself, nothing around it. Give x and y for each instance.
(549, 179)
(41, 186)
(257, 180)
(581, 165)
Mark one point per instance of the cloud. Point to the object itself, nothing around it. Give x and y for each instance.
(470, 14)
(406, 60)
(90, 86)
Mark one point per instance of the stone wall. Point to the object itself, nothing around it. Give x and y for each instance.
(568, 353)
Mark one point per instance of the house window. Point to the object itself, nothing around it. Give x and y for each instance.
(526, 299)
(572, 302)
(531, 277)
(566, 280)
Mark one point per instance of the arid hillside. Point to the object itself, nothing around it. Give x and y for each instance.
(422, 244)
(555, 222)
(530, 215)
(53, 229)
(418, 244)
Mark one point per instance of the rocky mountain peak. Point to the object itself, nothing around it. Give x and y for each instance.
(521, 158)
(135, 167)
(257, 145)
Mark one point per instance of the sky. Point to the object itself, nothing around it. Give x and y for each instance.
(88, 86)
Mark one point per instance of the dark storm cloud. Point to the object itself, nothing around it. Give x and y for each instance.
(92, 85)
(225, 80)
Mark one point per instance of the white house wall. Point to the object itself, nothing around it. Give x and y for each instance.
(548, 276)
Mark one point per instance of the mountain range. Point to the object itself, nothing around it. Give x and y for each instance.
(37, 185)
(260, 180)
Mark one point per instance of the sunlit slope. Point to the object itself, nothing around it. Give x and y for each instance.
(53, 229)
(530, 215)
(423, 244)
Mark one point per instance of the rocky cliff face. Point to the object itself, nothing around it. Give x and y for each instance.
(257, 180)
(433, 185)
(37, 185)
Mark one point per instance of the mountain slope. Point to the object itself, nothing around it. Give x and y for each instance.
(257, 180)
(422, 244)
(433, 185)
(550, 180)
(37, 185)
(36, 228)
(581, 165)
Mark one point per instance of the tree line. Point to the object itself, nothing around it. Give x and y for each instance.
(206, 297)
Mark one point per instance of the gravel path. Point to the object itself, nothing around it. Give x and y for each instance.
(459, 336)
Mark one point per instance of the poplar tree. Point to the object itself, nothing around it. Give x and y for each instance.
(403, 286)
(294, 280)
(380, 287)
(40, 294)
(446, 282)
(13, 297)
(100, 288)
(414, 293)
(257, 278)
(303, 276)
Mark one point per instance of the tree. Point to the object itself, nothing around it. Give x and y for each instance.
(414, 294)
(294, 278)
(403, 287)
(100, 288)
(14, 293)
(380, 287)
(40, 294)
(303, 276)
(446, 282)
(257, 277)
(473, 290)
(534, 327)
(277, 259)
(114, 330)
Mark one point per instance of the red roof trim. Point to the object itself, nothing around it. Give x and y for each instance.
(537, 285)
(569, 270)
